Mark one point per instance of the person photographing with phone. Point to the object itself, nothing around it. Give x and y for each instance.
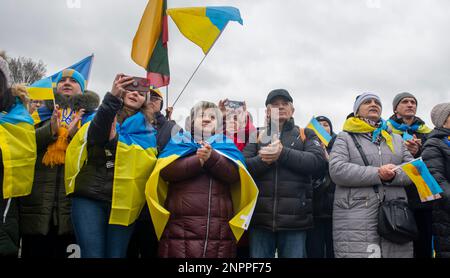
(107, 189)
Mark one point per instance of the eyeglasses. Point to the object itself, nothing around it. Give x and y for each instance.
(155, 98)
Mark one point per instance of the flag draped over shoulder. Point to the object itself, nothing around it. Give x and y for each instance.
(203, 25)
(83, 67)
(244, 193)
(427, 187)
(18, 147)
(41, 89)
(323, 135)
(150, 43)
(135, 158)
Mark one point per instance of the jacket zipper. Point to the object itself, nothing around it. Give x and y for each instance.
(275, 201)
(6, 210)
(208, 220)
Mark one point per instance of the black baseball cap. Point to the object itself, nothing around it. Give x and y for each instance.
(278, 93)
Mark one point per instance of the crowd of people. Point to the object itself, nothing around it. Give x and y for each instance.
(86, 172)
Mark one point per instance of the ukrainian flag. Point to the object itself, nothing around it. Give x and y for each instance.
(41, 89)
(83, 67)
(134, 162)
(244, 193)
(323, 135)
(203, 25)
(426, 185)
(18, 147)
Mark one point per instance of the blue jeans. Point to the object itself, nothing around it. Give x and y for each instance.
(289, 244)
(96, 237)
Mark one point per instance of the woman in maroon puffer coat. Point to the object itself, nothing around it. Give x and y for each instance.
(199, 197)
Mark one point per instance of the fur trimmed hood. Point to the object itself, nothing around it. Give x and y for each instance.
(88, 101)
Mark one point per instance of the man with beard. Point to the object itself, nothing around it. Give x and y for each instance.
(45, 223)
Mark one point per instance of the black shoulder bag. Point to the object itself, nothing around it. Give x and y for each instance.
(396, 221)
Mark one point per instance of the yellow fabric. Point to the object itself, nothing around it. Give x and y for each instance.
(76, 155)
(148, 33)
(133, 166)
(40, 93)
(244, 196)
(356, 125)
(56, 152)
(195, 26)
(18, 146)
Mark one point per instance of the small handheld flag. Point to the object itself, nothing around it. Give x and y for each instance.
(41, 89)
(426, 185)
(320, 131)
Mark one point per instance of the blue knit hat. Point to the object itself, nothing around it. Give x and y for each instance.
(73, 74)
(362, 98)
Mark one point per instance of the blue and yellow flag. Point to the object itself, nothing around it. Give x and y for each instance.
(18, 147)
(135, 159)
(203, 25)
(41, 89)
(244, 193)
(83, 67)
(427, 187)
(323, 135)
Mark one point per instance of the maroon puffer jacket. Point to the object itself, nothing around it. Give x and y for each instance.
(200, 205)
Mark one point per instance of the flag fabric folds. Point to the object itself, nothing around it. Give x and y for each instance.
(150, 44)
(426, 185)
(203, 25)
(244, 193)
(41, 89)
(135, 158)
(323, 135)
(18, 148)
(83, 67)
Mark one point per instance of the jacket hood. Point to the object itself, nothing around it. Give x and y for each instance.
(88, 101)
(439, 132)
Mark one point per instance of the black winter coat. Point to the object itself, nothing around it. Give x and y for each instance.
(285, 187)
(436, 154)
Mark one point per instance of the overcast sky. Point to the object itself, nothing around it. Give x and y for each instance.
(323, 52)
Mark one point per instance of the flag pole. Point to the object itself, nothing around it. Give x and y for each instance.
(196, 69)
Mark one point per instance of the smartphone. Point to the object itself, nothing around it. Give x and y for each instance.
(139, 84)
(234, 104)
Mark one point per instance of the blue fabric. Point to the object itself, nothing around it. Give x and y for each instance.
(427, 177)
(135, 131)
(288, 244)
(407, 129)
(220, 16)
(17, 114)
(182, 144)
(447, 141)
(97, 238)
(377, 132)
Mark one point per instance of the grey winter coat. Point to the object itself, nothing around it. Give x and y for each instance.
(355, 210)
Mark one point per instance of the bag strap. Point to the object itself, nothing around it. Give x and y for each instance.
(366, 162)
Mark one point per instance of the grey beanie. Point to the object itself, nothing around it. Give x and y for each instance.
(399, 98)
(362, 98)
(4, 68)
(440, 113)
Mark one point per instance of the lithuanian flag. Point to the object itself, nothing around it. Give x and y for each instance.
(244, 193)
(18, 147)
(150, 43)
(135, 158)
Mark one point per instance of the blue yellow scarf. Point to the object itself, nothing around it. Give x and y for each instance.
(406, 130)
(356, 125)
(244, 193)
